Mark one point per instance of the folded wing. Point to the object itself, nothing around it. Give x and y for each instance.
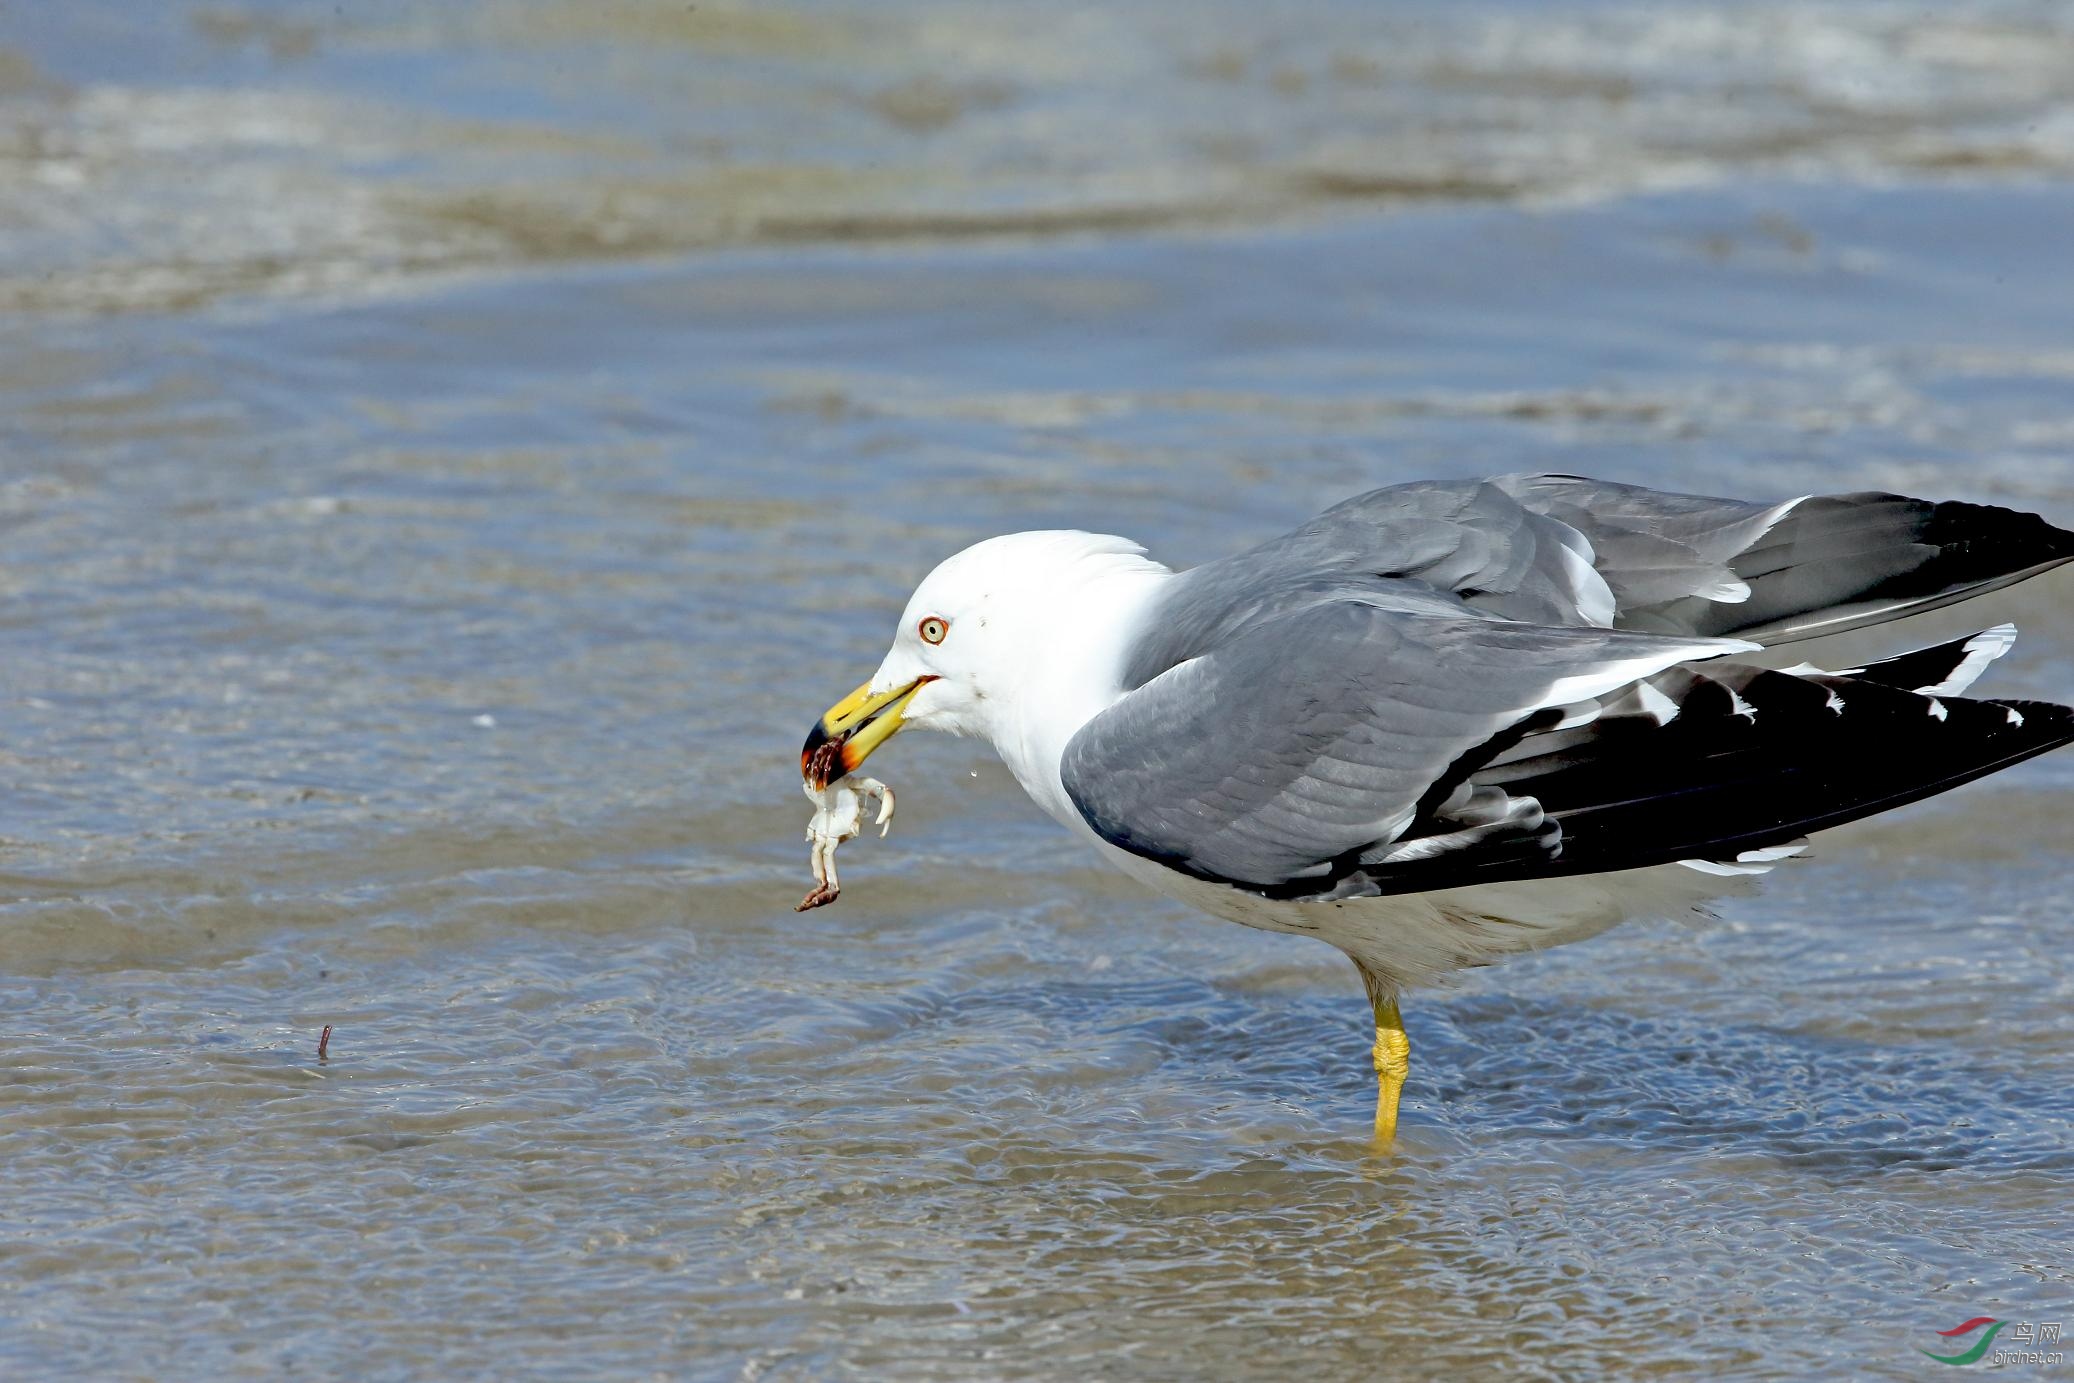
(1566, 550)
(1778, 573)
(1350, 750)
(1303, 748)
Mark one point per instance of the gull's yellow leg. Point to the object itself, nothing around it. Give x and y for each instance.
(1392, 1065)
(1392, 1054)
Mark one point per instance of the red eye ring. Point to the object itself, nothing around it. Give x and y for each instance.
(933, 630)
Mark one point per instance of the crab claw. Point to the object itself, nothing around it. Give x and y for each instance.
(872, 787)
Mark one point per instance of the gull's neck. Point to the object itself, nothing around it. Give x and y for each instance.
(1073, 670)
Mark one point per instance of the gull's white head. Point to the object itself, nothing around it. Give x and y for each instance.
(1018, 624)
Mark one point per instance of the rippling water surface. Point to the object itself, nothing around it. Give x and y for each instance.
(448, 454)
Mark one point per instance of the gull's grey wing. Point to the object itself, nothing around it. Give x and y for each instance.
(1306, 745)
(1351, 751)
(1449, 548)
(1370, 703)
(1777, 573)
(1566, 550)
(1652, 547)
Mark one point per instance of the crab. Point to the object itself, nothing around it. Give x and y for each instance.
(839, 816)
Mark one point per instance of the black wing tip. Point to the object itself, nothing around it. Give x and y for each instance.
(1783, 755)
(1752, 759)
(2040, 720)
(1984, 542)
(1839, 562)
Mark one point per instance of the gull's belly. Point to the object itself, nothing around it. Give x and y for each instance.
(1417, 937)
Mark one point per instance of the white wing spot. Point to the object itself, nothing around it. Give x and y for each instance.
(1655, 704)
(1937, 709)
(1749, 862)
(1835, 702)
(2016, 717)
(1583, 713)
(1590, 595)
(1771, 853)
(1611, 676)
(1980, 650)
(1726, 871)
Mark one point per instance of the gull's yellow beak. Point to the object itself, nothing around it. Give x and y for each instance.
(852, 728)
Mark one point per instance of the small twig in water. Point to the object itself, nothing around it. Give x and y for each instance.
(324, 1044)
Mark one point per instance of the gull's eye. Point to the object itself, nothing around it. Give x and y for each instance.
(933, 629)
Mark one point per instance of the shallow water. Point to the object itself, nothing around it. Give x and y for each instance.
(448, 462)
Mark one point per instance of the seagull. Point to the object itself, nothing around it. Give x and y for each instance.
(1447, 722)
